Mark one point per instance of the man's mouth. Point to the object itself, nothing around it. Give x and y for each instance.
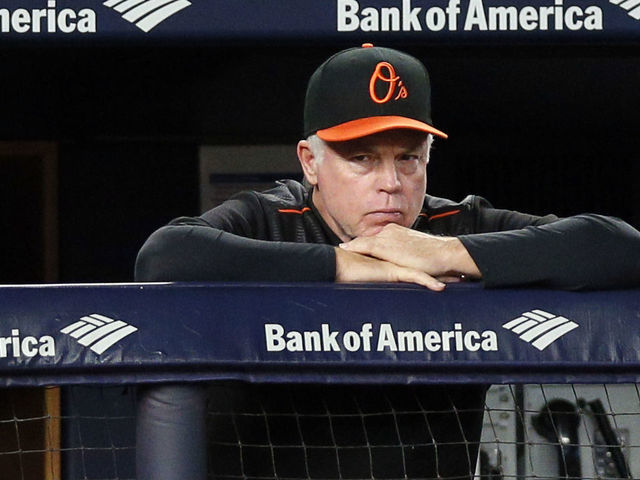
(386, 214)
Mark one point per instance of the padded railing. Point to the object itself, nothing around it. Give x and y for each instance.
(172, 337)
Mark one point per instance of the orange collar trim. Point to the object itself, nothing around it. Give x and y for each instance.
(291, 210)
(440, 215)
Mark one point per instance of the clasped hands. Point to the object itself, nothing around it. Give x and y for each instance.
(399, 254)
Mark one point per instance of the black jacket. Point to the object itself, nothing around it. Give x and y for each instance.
(278, 235)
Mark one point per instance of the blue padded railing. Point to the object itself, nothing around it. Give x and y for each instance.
(171, 337)
(149, 333)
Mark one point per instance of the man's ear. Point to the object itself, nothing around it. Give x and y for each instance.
(308, 162)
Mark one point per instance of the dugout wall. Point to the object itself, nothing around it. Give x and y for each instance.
(167, 339)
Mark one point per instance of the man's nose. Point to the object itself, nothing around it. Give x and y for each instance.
(388, 177)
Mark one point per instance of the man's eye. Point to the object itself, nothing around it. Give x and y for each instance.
(409, 157)
(360, 158)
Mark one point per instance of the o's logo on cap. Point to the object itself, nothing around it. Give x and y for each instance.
(391, 79)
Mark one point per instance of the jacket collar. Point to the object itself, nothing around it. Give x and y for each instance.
(331, 236)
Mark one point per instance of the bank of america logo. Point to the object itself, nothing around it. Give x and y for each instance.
(98, 332)
(147, 14)
(631, 6)
(540, 328)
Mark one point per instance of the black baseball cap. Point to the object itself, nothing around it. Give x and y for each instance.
(365, 90)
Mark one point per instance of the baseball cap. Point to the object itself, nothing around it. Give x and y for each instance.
(365, 90)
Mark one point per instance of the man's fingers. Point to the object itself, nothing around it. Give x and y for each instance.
(375, 246)
(409, 275)
(363, 245)
(395, 244)
(451, 278)
(353, 267)
(444, 257)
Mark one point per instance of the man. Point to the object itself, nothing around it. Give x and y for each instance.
(363, 217)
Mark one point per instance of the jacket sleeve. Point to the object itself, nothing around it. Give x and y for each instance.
(222, 246)
(576, 253)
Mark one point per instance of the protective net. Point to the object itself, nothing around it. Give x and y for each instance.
(83, 433)
(573, 431)
(530, 431)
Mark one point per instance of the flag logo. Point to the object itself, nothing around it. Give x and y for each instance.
(147, 14)
(540, 328)
(98, 332)
(631, 6)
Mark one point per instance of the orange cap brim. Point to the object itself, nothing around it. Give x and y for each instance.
(370, 125)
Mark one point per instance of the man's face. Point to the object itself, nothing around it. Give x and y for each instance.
(364, 184)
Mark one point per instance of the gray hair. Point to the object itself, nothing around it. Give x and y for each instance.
(317, 146)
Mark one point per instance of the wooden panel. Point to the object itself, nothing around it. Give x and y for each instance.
(29, 418)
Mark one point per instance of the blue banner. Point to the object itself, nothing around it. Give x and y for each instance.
(304, 21)
(315, 333)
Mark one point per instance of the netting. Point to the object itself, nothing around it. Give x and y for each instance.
(573, 431)
(90, 436)
(345, 432)
(530, 431)
(98, 433)
(562, 431)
